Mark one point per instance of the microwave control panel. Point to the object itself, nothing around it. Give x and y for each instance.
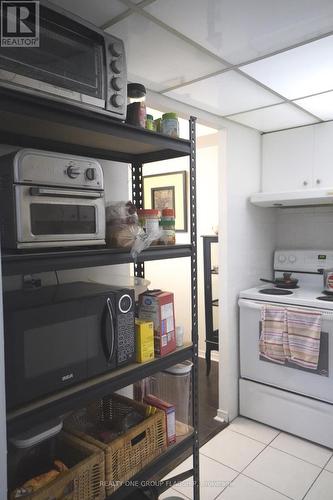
(117, 76)
(126, 338)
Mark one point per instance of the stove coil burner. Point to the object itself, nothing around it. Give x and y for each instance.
(275, 291)
(326, 298)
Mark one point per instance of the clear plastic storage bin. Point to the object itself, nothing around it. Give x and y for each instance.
(174, 386)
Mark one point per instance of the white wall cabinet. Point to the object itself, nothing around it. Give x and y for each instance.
(298, 159)
(323, 155)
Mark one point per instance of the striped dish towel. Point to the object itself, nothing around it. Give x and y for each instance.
(304, 330)
(273, 329)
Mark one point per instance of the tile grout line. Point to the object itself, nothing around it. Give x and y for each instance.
(312, 484)
(302, 459)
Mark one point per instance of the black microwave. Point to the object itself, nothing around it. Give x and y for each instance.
(60, 335)
(68, 59)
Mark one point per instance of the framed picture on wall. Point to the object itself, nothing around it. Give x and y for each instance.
(167, 191)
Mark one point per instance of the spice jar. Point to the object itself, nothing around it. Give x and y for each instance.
(150, 124)
(136, 108)
(170, 124)
(167, 224)
(149, 220)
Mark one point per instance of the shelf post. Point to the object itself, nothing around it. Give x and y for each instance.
(194, 284)
(137, 198)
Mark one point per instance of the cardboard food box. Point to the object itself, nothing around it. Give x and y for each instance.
(170, 415)
(144, 334)
(158, 307)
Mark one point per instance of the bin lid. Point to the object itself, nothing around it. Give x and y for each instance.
(37, 434)
(180, 368)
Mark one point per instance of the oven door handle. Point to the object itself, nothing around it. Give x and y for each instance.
(64, 193)
(257, 306)
(110, 345)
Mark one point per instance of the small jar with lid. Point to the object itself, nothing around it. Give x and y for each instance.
(150, 124)
(136, 107)
(170, 124)
(167, 224)
(149, 220)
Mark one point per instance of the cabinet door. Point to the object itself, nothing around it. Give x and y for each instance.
(288, 160)
(323, 159)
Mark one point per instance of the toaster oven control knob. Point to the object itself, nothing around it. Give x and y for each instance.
(90, 174)
(116, 49)
(116, 66)
(73, 172)
(117, 100)
(117, 83)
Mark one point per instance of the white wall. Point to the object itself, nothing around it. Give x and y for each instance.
(246, 248)
(310, 227)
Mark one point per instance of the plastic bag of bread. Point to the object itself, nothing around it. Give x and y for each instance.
(122, 224)
(38, 482)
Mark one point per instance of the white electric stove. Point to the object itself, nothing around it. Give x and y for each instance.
(290, 398)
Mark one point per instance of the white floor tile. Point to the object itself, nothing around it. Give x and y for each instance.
(282, 472)
(322, 488)
(329, 466)
(186, 465)
(232, 449)
(253, 429)
(214, 477)
(244, 488)
(313, 453)
(172, 493)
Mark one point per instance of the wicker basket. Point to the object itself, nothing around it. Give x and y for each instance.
(129, 453)
(83, 481)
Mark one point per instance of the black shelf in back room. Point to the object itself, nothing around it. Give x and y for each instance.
(30, 121)
(27, 262)
(78, 396)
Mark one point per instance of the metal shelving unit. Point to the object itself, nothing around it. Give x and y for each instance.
(28, 121)
(212, 336)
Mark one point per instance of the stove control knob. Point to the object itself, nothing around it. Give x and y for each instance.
(90, 174)
(73, 172)
(117, 83)
(282, 259)
(116, 49)
(292, 259)
(117, 101)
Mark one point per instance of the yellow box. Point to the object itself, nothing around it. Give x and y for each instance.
(144, 331)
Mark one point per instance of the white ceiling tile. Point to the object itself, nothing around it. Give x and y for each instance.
(97, 12)
(298, 72)
(320, 105)
(157, 58)
(241, 30)
(224, 94)
(274, 118)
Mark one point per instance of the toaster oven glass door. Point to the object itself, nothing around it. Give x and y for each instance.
(66, 63)
(54, 346)
(48, 215)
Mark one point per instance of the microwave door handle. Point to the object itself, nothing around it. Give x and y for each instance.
(64, 193)
(112, 336)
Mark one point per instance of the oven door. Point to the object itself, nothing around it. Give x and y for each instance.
(52, 347)
(316, 384)
(50, 217)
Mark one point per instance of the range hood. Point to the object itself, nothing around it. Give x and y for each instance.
(302, 198)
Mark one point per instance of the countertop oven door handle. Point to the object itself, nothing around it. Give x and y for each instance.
(64, 193)
(112, 335)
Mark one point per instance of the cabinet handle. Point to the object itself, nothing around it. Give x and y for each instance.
(318, 181)
(305, 183)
